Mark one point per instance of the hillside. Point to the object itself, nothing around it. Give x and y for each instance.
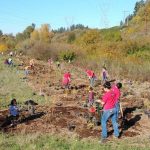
(139, 23)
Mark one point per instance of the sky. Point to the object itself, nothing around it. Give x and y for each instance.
(16, 15)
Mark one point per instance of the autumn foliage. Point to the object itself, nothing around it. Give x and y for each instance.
(125, 50)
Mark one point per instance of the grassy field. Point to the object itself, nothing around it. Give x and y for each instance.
(52, 142)
(12, 85)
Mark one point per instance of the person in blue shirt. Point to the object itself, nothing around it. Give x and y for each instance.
(14, 111)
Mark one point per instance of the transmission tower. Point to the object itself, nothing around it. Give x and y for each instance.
(125, 16)
(69, 21)
(104, 9)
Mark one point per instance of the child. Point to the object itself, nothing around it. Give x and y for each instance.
(91, 96)
(10, 62)
(32, 63)
(14, 111)
(104, 74)
(66, 80)
(26, 70)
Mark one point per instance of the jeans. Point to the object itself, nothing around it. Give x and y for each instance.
(117, 109)
(92, 80)
(111, 113)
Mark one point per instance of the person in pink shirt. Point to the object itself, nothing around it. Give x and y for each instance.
(91, 76)
(116, 89)
(109, 111)
(66, 79)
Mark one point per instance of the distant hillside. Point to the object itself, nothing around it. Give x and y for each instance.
(139, 22)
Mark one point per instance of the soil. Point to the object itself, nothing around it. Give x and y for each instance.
(67, 111)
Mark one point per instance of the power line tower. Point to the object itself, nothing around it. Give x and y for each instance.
(125, 17)
(104, 8)
(69, 21)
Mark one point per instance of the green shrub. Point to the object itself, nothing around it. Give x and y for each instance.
(71, 37)
(68, 56)
(112, 34)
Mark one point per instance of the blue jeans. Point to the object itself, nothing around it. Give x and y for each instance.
(111, 113)
(117, 109)
(92, 80)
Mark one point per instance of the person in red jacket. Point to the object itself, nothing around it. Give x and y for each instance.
(66, 79)
(91, 76)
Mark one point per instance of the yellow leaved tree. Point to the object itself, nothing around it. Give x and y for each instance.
(3, 47)
(43, 34)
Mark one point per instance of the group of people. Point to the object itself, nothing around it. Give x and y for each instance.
(91, 75)
(109, 102)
